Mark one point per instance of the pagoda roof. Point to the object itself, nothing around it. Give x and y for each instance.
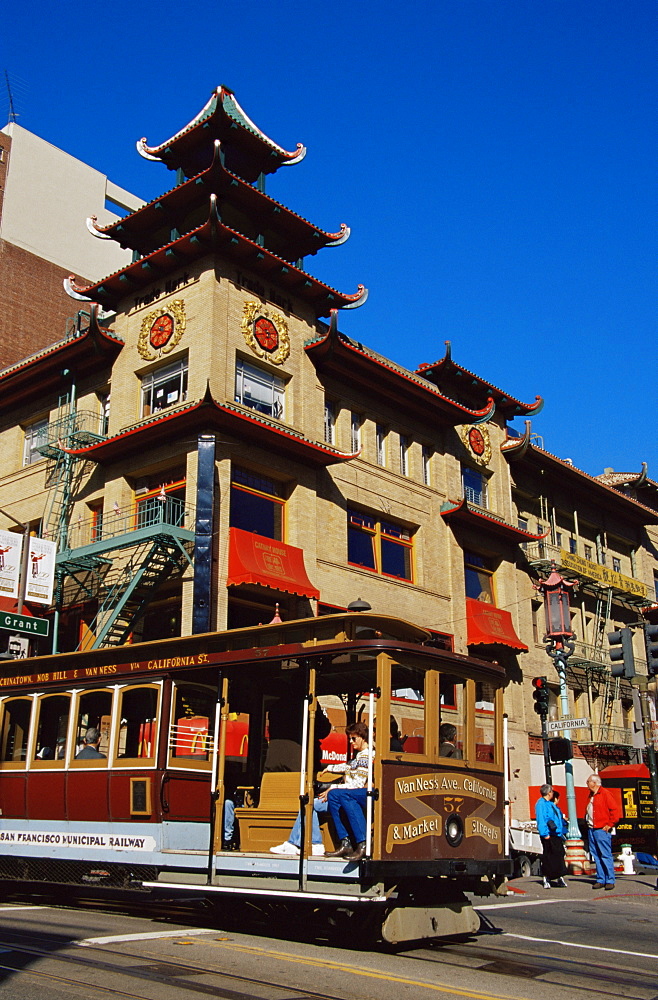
(522, 449)
(336, 353)
(214, 236)
(249, 151)
(207, 414)
(470, 515)
(284, 231)
(41, 372)
(446, 373)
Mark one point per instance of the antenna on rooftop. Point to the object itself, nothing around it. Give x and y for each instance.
(13, 114)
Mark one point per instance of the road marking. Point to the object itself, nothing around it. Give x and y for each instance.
(151, 936)
(529, 902)
(12, 909)
(339, 967)
(588, 947)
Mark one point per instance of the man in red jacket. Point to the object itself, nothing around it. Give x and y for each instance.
(602, 814)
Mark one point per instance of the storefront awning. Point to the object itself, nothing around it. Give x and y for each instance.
(268, 563)
(9, 606)
(490, 626)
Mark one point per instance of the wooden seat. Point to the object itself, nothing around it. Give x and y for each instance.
(270, 822)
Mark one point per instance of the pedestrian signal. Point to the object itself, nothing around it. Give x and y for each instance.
(560, 750)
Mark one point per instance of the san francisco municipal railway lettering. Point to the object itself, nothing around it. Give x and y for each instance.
(428, 784)
(104, 670)
(113, 842)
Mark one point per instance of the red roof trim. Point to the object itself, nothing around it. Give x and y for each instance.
(208, 229)
(324, 454)
(463, 511)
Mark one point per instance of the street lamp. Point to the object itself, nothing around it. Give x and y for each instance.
(559, 646)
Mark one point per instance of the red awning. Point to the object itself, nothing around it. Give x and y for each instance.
(264, 561)
(490, 626)
(9, 606)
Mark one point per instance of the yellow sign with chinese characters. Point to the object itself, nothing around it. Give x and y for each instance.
(602, 574)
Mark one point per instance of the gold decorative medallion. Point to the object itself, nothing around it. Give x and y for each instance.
(266, 332)
(477, 442)
(161, 330)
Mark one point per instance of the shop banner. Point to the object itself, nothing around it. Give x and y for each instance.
(41, 571)
(11, 546)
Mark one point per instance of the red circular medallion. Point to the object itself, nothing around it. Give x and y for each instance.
(266, 333)
(476, 441)
(161, 330)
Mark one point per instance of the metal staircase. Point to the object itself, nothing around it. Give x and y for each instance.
(148, 567)
(121, 560)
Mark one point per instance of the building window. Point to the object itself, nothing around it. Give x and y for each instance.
(329, 421)
(259, 390)
(36, 436)
(588, 552)
(655, 585)
(257, 504)
(355, 432)
(381, 444)
(478, 574)
(104, 413)
(475, 486)
(164, 387)
(616, 564)
(379, 545)
(558, 538)
(161, 502)
(427, 461)
(522, 523)
(573, 546)
(404, 455)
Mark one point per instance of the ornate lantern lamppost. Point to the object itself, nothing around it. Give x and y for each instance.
(559, 640)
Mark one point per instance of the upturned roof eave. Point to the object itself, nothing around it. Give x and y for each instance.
(631, 506)
(207, 413)
(37, 373)
(333, 350)
(216, 114)
(214, 236)
(505, 403)
(217, 179)
(463, 512)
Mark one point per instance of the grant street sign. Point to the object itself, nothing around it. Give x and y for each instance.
(24, 623)
(558, 725)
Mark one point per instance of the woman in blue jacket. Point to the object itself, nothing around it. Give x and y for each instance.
(551, 828)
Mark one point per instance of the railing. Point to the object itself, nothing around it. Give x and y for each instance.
(153, 511)
(585, 651)
(617, 736)
(544, 551)
(74, 429)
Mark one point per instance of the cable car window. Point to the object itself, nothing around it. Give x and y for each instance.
(15, 728)
(52, 727)
(485, 723)
(407, 722)
(92, 730)
(452, 717)
(192, 726)
(138, 725)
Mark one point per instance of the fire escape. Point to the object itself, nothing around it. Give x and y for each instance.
(118, 560)
(589, 665)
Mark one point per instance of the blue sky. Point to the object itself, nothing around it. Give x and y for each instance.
(493, 158)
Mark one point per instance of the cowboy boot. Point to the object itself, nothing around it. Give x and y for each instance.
(344, 848)
(358, 853)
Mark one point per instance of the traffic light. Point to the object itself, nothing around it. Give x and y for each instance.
(621, 653)
(540, 696)
(651, 640)
(560, 750)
